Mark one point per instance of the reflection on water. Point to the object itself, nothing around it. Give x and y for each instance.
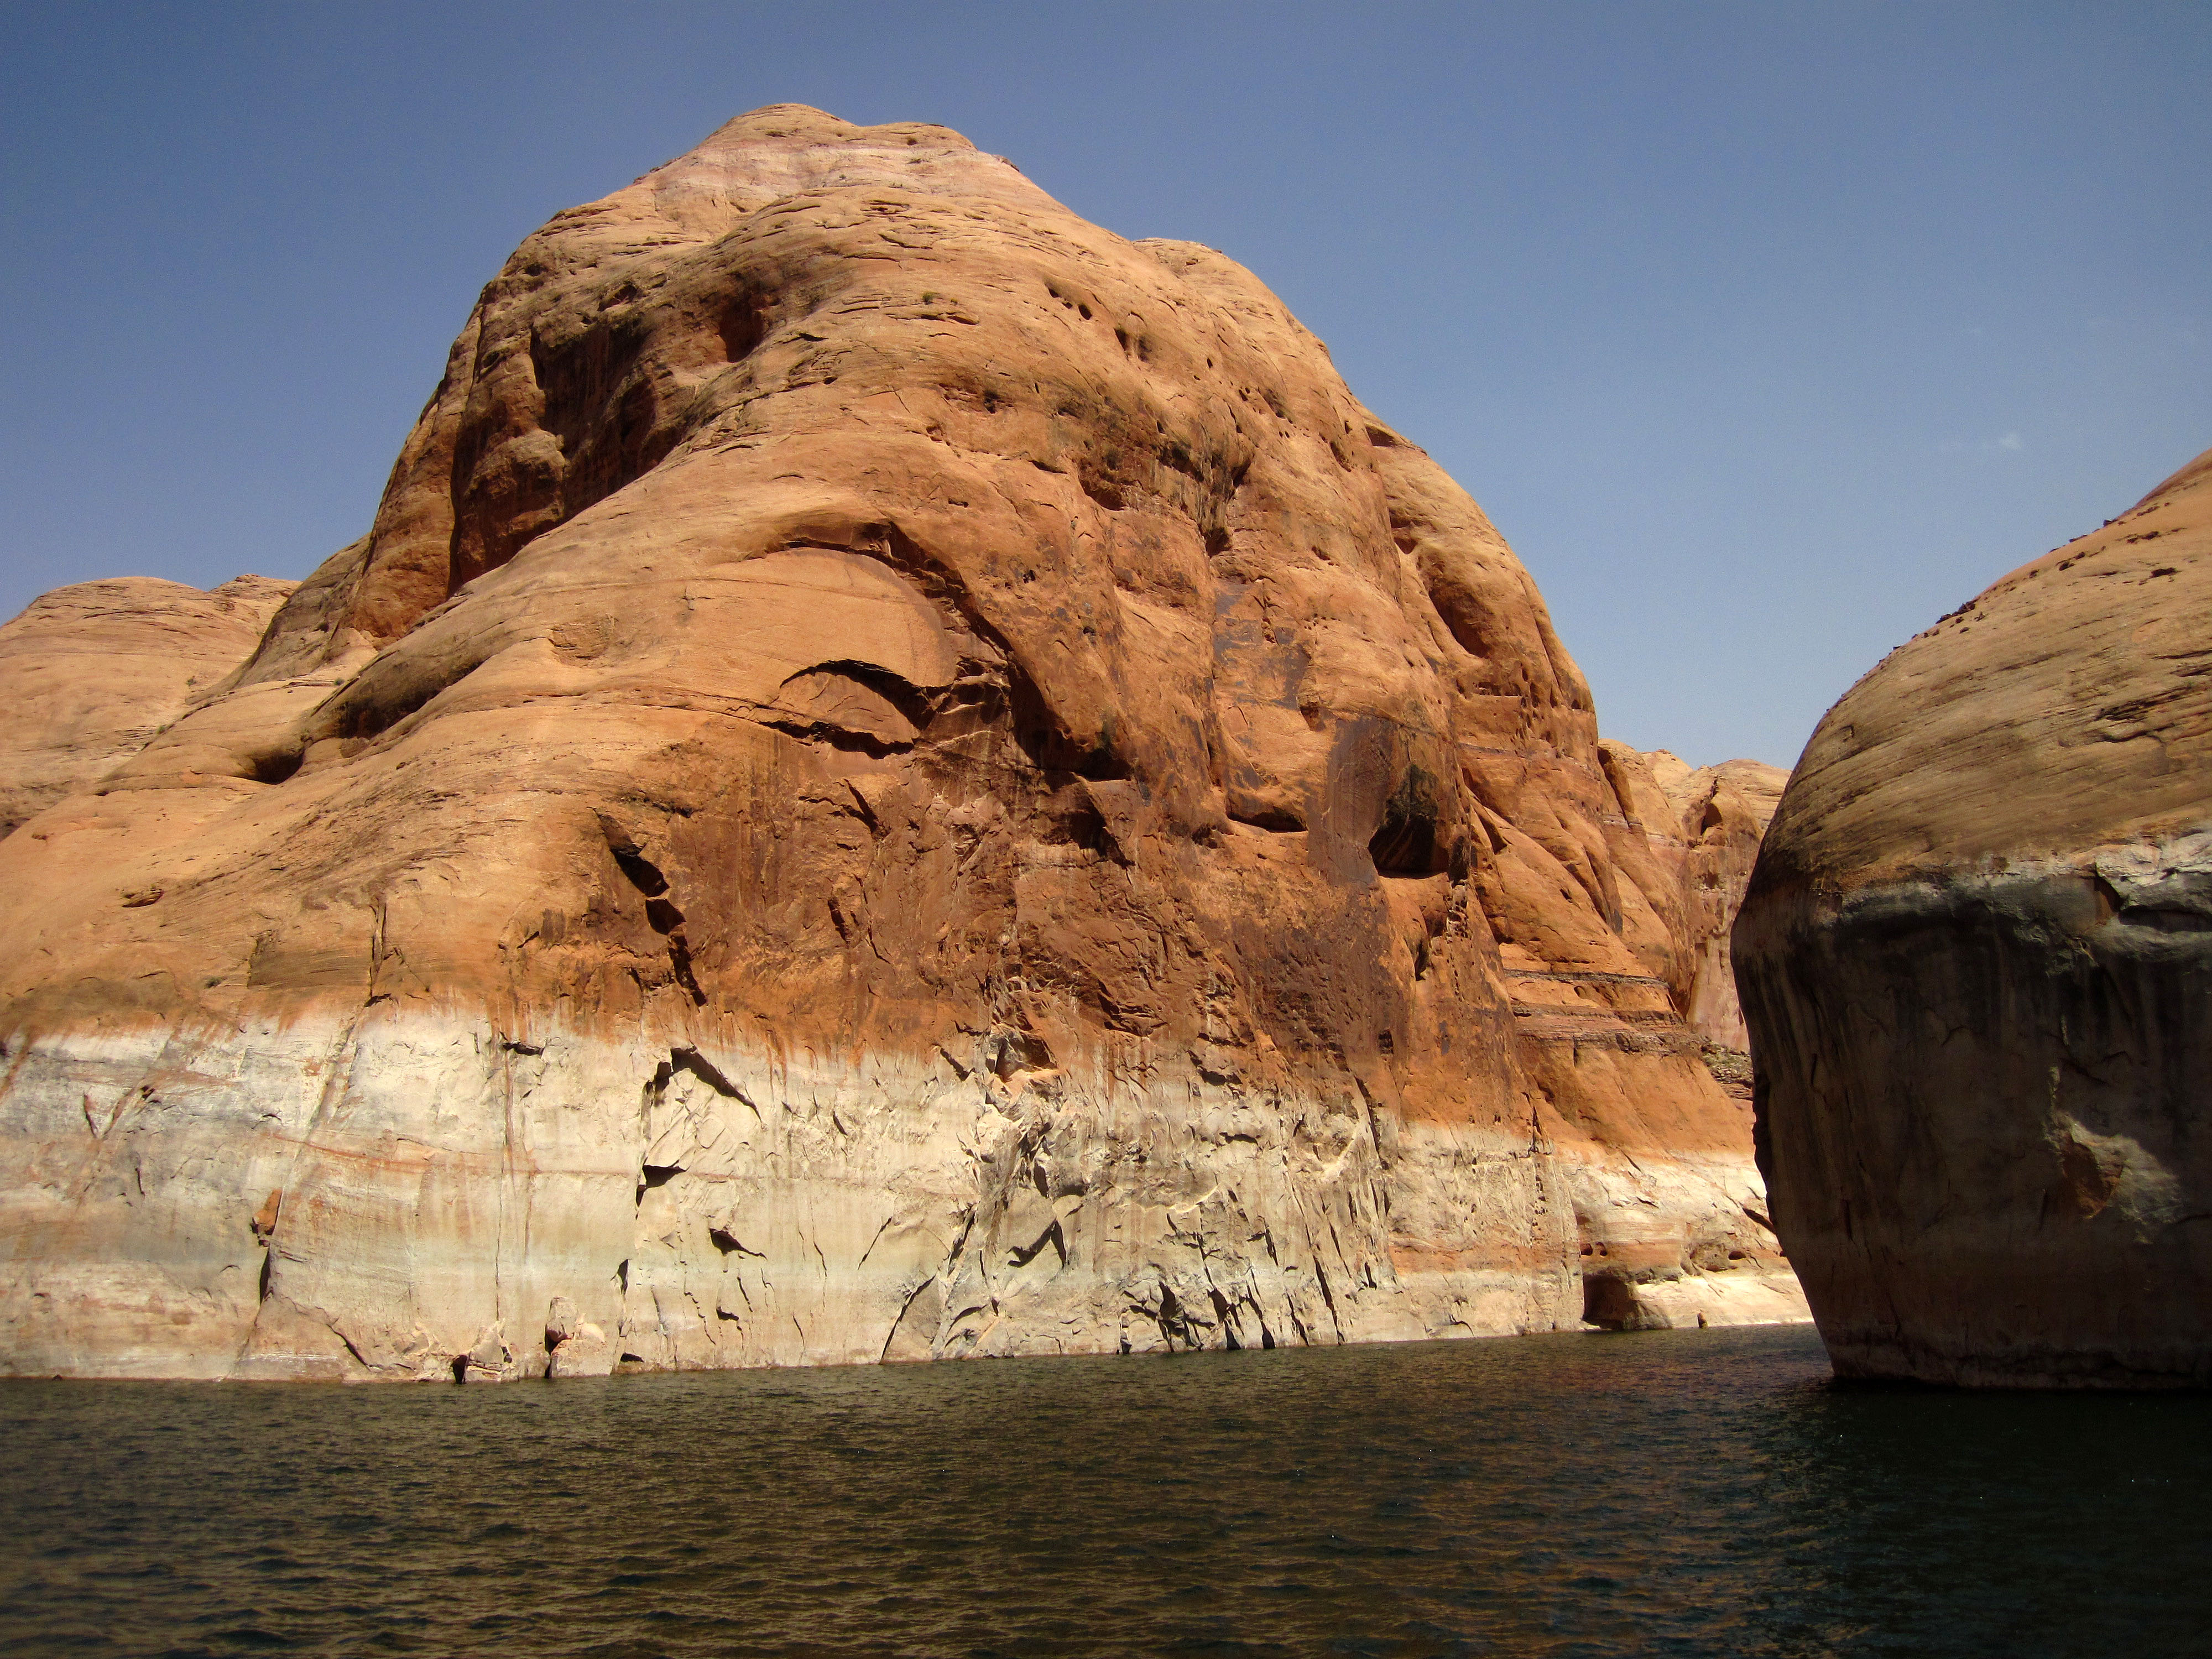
(1672, 1492)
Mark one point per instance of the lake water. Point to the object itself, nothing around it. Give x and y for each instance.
(1669, 1492)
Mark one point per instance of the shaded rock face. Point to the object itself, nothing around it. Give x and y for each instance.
(1977, 963)
(94, 671)
(1704, 824)
(896, 776)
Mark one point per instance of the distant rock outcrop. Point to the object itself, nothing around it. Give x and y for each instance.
(896, 776)
(1977, 961)
(95, 671)
(1704, 823)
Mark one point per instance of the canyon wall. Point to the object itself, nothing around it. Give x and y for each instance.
(1704, 824)
(1976, 958)
(896, 776)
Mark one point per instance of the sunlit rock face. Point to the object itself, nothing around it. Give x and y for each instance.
(896, 776)
(1704, 824)
(95, 670)
(1977, 963)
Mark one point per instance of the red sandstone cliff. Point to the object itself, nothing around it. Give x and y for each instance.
(895, 776)
(95, 671)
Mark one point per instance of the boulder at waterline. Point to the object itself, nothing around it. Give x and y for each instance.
(1976, 959)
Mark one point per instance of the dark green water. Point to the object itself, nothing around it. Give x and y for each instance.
(1691, 1492)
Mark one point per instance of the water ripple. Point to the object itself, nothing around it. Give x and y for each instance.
(1690, 1494)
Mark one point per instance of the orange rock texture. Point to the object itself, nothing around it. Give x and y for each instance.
(896, 776)
(1977, 961)
(1704, 824)
(95, 671)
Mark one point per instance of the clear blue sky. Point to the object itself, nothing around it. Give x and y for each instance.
(1766, 332)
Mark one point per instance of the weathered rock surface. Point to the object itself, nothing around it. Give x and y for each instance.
(896, 776)
(1977, 961)
(95, 670)
(1704, 824)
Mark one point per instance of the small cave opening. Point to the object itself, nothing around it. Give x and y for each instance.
(855, 706)
(743, 324)
(1608, 1302)
(1072, 819)
(1013, 1051)
(1104, 490)
(1406, 843)
(1276, 818)
(1050, 746)
(1459, 603)
(277, 768)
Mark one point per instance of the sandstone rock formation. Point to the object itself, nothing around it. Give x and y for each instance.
(94, 671)
(1704, 823)
(895, 776)
(1977, 961)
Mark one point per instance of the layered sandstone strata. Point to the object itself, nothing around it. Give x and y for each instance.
(896, 776)
(1977, 961)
